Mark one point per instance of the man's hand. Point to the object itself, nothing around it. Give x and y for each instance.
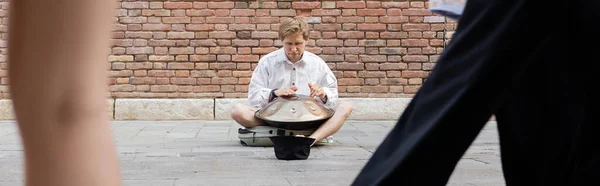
(290, 91)
(316, 90)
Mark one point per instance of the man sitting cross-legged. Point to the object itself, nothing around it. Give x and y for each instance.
(289, 71)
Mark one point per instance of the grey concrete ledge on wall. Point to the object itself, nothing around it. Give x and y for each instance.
(219, 109)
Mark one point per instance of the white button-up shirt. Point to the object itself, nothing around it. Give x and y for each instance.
(275, 70)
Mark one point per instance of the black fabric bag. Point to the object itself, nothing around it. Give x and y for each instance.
(291, 147)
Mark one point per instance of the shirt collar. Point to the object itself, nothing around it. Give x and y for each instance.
(283, 58)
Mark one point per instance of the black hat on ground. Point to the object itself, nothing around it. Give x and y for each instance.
(291, 147)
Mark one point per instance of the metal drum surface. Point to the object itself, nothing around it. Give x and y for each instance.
(298, 112)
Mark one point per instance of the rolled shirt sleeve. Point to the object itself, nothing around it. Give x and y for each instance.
(330, 87)
(258, 91)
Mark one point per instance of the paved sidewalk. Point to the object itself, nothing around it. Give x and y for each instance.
(185, 153)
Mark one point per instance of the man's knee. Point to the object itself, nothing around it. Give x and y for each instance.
(345, 107)
(237, 111)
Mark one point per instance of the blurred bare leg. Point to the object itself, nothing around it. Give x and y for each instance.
(57, 69)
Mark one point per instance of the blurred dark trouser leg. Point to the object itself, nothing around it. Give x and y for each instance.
(495, 43)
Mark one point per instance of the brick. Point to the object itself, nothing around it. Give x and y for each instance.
(207, 88)
(181, 58)
(223, 50)
(200, 12)
(350, 34)
(199, 27)
(411, 89)
(156, 27)
(326, 12)
(371, 74)
(417, 4)
(351, 43)
(238, 42)
(224, 5)
(372, 43)
(134, 13)
(131, 20)
(394, 19)
(414, 66)
(223, 81)
(203, 58)
(349, 26)
(428, 66)
(396, 89)
(161, 58)
(265, 35)
(163, 88)
(393, 35)
(220, 20)
(415, 34)
(328, 27)
(394, 12)
(351, 4)
(183, 81)
(372, 19)
(351, 50)
(244, 58)
(373, 4)
(198, 19)
(158, 13)
(395, 5)
(414, 74)
(433, 19)
(222, 35)
(282, 13)
(375, 89)
(371, 27)
(332, 58)
(203, 73)
(139, 50)
(393, 81)
(414, 51)
(350, 81)
(177, 65)
(142, 80)
(329, 42)
(121, 88)
(242, 74)
(181, 50)
(415, 42)
(416, 12)
(392, 66)
(177, 5)
(351, 19)
(263, 50)
(121, 58)
(134, 5)
(242, 12)
(306, 5)
(242, 27)
(328, 4)
(396, 51)
(373, 58)
(349, 66)
(264, 20)
(371, 81)
(415, 81)
(241, 88)
(180, 35)
(371, 12)
(415, 27)
(222, 66)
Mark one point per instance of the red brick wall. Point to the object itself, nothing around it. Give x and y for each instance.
(194, 49)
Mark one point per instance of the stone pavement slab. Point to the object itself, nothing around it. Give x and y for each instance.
(190, 153)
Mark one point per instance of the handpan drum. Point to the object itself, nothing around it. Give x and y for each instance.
(299, 112)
